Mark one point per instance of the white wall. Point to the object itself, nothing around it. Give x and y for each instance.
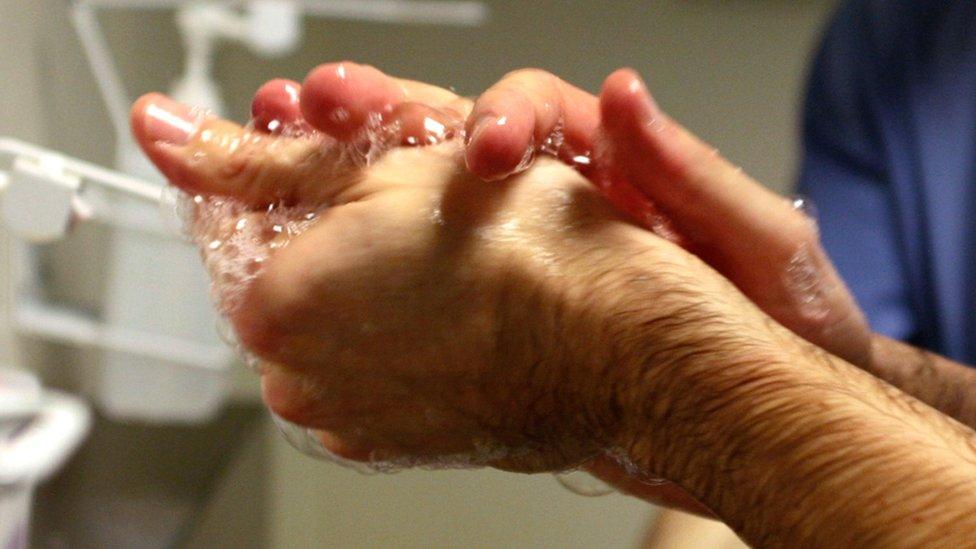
(20, 116)
(729, 70)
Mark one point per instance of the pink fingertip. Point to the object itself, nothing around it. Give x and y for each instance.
(624, 97)
(155, 118)
(276, 106)
(498, 146)
(341, 98)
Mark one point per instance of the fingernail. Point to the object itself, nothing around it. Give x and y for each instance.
(483, 122)
(169, 121)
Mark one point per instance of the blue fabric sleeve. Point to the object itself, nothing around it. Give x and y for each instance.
(843, 173)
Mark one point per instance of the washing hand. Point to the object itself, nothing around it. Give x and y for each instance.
(425, 315)
(410, 311)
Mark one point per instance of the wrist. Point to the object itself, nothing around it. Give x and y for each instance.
(689, 399)
(682, 345)
(786, 442)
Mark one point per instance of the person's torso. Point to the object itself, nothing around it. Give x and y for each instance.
(924, 86)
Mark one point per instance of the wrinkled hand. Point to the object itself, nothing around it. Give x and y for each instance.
(757, 239)
(426, 315)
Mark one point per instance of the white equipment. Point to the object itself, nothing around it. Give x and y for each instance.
(38, 431)
(170, 362)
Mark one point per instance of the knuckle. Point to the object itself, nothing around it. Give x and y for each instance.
(237, 168)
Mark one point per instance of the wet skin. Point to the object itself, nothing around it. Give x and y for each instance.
(429, 312)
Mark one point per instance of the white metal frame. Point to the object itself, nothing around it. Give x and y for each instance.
(93, 189)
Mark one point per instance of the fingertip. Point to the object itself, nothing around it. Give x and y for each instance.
(622, 77)
(155, 118)
(137, 125)
(340, 98)
(643, 140)
(276, 106)
(285, 393)
(498, 146)
(626, 103)
(252, 323)
(137, 115)
(162, 127)
(500, 130)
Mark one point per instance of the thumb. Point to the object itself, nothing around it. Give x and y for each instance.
(203, 154)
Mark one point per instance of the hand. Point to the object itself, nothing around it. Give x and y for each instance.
(425, 316)
(764, 245)
(758, 240)
(536, 104)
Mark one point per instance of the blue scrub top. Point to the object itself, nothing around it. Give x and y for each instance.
(890, 163)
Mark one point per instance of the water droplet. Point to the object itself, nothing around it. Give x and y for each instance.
(553, 143)
(582, 160)
(804, 205)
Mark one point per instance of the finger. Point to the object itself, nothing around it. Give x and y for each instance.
(436, 97)
(753, 236)
(684, 176)
(297, 398)
(429, 94)
(275, 108)
(206, 155)
(525, 111)
(420, 124)
(344, 448)
(325, 399)
(344, 99)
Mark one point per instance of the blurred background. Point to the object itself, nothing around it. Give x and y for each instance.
(732, 71)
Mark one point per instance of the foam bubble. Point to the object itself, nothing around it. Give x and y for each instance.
(806, 283)
(553, 144)
(236, 241)
(372, 141)
(309, 442)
